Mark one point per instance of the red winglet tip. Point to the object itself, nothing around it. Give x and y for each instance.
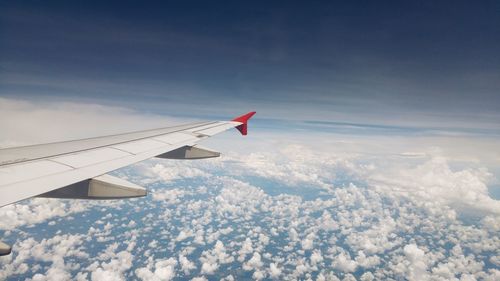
(243, 128)
(244, 118)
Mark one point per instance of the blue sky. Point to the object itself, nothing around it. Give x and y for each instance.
(392, 63)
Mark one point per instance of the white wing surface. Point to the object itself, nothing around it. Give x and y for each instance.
(76, 169)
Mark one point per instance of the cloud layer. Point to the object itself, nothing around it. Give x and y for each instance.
(308, 215)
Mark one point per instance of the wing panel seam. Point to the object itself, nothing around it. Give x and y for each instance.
(116, 148)
(57, 162)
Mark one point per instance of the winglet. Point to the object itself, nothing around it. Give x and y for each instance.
(243, 119)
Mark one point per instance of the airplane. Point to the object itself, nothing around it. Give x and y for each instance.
(77, 169)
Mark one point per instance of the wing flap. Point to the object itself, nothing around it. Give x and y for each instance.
(18, 173)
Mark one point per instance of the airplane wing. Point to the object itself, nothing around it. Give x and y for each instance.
(77, 169)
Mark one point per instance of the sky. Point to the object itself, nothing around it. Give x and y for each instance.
(410, 63)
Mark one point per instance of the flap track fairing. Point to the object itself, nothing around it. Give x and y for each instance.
(189, 152)
(100, 188)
